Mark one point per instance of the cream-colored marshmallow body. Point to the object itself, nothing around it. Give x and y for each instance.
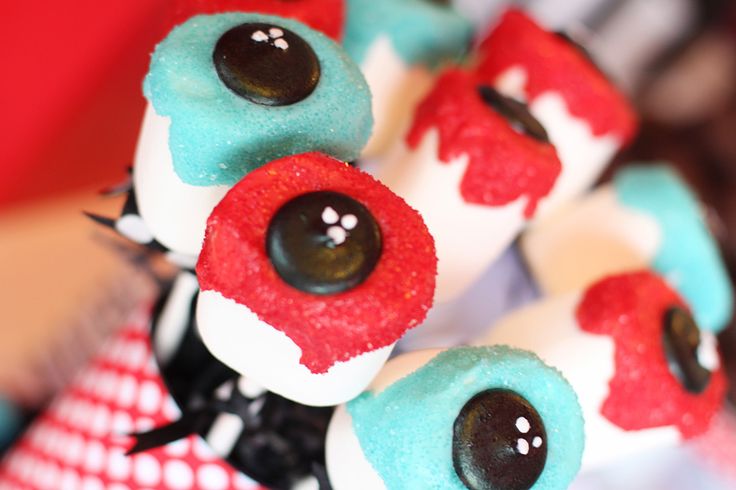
(175, 213)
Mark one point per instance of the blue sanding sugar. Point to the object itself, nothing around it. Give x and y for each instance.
(216, 137)
(688, 255)
(421, 32)
(406, 430)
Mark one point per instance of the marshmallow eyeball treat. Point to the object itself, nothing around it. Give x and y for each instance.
(647, 217)
(586, 118)
(227, 94)
(310, 271)
(397, 44)
(646, 375)
(476, 164)
(464, 418)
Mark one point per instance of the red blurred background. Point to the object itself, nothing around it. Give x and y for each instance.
(70, 91)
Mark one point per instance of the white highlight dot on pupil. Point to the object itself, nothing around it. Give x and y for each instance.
(522, 446)
(259, 36)
(338, 234)
(330, 216)
(275, 32)
(537, 441)
(349, 221)
(281, 44)
(522, 424)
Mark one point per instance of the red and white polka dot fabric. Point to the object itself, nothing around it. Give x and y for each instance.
(80, 441)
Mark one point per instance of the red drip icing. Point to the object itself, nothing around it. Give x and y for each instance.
(643, 392)
(327, 16)
(554, 65)
(503, 165)
(395, 297)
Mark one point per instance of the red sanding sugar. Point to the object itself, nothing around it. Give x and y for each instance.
(643, 393)
(395, 297)
(81, 439)
(552, 64)
(503, 165)
(327, 16)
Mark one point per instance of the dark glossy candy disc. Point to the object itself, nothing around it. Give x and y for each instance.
(681, 338)
(499, 442)
(266, 64)
(515, 112)
(323, 242)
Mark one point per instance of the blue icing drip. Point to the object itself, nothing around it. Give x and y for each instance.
(216, 137)
(688, 256)
(421, 32)
(406, 430)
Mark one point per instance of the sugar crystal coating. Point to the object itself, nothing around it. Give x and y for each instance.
(688, 254)
(422, 32)
(552, 64)
(643, 392)
(328, 328)
(216, 136)
(406, 430)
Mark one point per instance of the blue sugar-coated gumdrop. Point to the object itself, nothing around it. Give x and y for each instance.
(422, 32)
(217, 135)
(688, 255)
(406, 431)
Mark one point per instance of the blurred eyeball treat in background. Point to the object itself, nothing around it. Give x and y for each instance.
(645, 374)
(647, 217)
(476, 164)
(586, 118)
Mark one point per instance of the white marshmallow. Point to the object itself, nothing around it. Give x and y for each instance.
(256, 350)
(583, 155)
(468, 237)
(396, 88)
(588, 240)
(550, 329)
(347, 466)
(175, 213)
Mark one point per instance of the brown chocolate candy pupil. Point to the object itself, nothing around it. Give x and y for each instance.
(515, 112)
(323, 242)
(266, 64)
(499, 442)
(681, 339)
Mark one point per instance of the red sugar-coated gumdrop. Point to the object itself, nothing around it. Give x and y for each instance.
(328, 328)
(503, 165)
(327, 16)
(552, 64)
(643, 392)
